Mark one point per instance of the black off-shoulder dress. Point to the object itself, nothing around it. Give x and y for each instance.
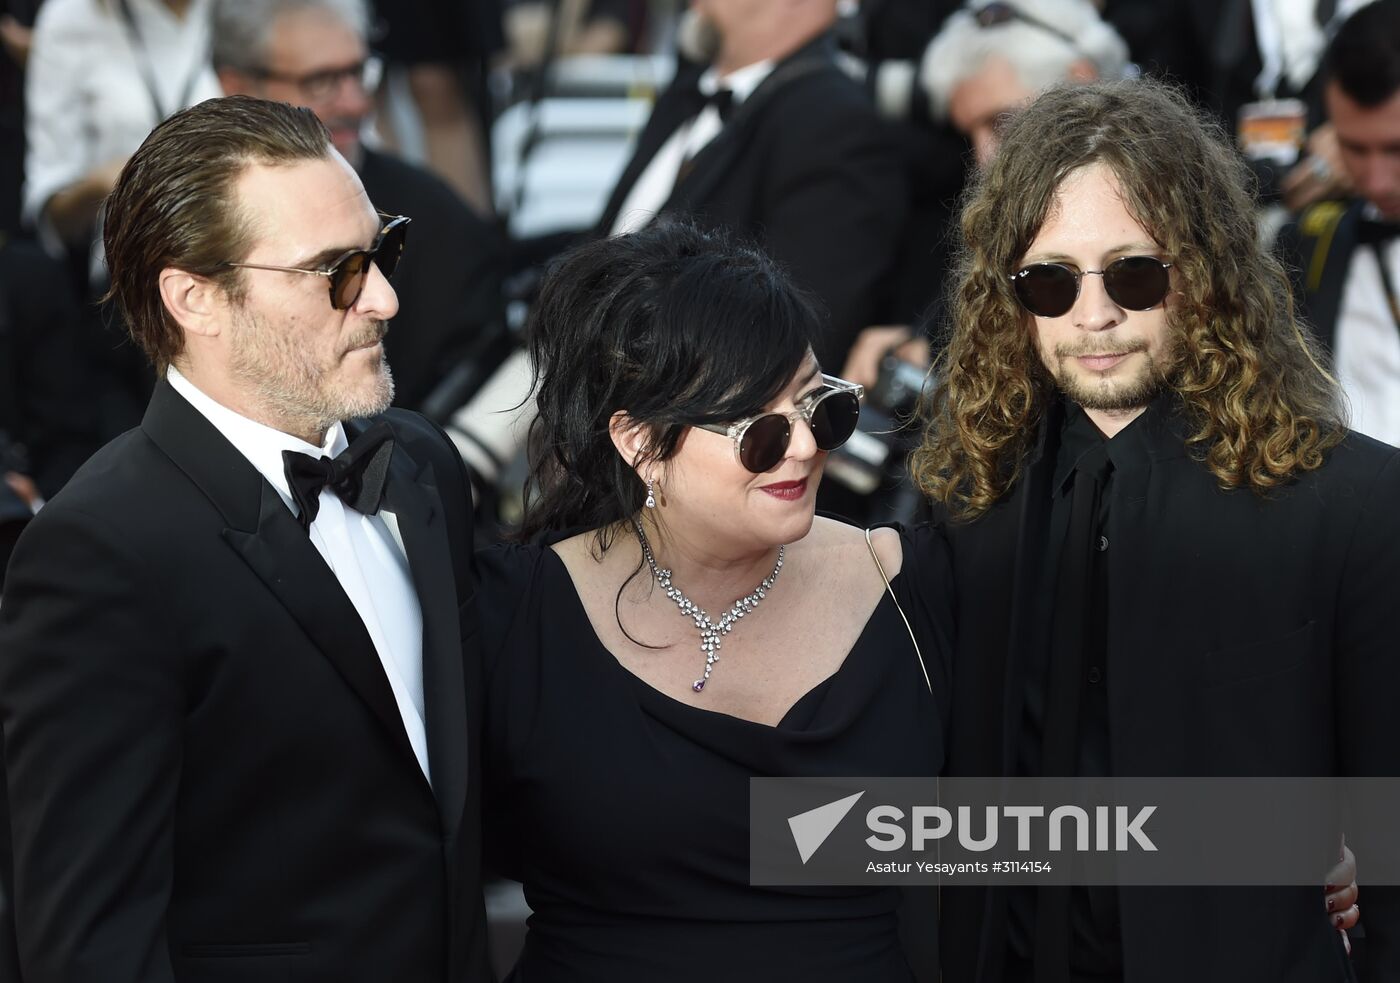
(625, 812)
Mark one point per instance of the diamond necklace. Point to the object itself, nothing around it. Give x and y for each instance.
(711, 631)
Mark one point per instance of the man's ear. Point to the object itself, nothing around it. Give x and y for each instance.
(629, 437)
(197, 304)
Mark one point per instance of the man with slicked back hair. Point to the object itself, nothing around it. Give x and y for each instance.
(238, 680)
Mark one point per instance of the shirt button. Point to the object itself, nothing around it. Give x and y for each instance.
(1103, 543)
(1094, 674)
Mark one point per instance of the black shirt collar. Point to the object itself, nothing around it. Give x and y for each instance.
(1079, 437)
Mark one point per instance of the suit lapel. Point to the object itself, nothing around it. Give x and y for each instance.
(1032, 530)
(412, 496)
(263, 531)
(677, 104)
(1144, 501)
(704, 172)
(714, 160)
(292, 569)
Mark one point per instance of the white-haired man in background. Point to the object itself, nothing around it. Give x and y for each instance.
(987, 61)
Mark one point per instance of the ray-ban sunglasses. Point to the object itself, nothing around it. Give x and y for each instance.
(760, 442)
(1134, 283)
(348, 272)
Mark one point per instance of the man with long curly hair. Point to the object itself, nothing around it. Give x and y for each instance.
(1171, 557)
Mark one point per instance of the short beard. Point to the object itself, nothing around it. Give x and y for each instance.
(1115, 395)
(289, 386)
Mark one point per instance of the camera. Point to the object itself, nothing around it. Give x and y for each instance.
(899, 386)
(868, 476)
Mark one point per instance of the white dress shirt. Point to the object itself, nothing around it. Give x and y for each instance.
(86, 95)
(657, 181)
(363, 551)
(1368, 346)
(1291, 41)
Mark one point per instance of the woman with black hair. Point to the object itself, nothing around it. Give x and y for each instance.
(682, 621)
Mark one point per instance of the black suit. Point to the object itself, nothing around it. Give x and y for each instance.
(209, 777)
(1246, 636)
(807, 170)
(1317, 248)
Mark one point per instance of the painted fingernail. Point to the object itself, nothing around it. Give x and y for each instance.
(1337, 920)
(1328, 888)
(1331, 904)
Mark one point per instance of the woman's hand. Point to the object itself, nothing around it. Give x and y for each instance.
(1342, 909)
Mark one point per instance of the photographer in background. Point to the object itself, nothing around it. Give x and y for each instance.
(1345, 250)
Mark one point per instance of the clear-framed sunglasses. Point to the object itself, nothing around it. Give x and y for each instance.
(761, 441)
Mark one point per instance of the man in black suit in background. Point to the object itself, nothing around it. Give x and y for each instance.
(1171, 557)
(240, 730)
(773, 141)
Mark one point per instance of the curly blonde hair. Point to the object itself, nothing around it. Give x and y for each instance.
(1260, 403)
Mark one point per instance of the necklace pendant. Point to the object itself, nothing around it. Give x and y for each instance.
(710, 631)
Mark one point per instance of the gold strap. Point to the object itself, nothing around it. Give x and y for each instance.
(881, 567)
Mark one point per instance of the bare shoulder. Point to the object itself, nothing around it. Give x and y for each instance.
(578, 552)
(889, 548)
(590, 567)
(576, 549)
(845, 545)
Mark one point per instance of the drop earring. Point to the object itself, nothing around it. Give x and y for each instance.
(651, 495)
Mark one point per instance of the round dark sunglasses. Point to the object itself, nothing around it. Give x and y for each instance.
(760, 442)
(349, 271)
(1135, 283)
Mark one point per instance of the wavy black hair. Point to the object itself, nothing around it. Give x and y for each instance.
(673, 325)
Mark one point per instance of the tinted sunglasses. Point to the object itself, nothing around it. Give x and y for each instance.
(349, 271)
(761, 442)
(1135, 283)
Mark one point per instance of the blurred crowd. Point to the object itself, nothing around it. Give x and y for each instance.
(834, 133)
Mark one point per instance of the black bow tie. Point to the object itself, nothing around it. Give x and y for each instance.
(356, 475)
(1369, 231)
(723, 101)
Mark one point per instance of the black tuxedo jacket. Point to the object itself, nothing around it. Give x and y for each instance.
(1246, 636)
(808, 171)
(209, 778)
(1317, 247)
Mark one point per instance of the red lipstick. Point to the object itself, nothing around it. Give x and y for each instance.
(787, 491)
